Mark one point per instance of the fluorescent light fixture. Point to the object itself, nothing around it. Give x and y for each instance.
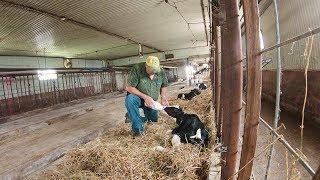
(47, 75)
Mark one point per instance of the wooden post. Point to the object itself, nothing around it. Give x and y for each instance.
(252, 25)
(212, 69)
(231, 89)
(217, 70)
(317, 176)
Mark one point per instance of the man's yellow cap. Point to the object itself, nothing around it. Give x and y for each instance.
(154, 63)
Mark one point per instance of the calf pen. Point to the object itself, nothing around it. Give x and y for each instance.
(22, 91)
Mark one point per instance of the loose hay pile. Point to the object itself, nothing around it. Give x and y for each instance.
(116, 155)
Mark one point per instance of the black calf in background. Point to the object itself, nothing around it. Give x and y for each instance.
(190, 129)
(190, 95)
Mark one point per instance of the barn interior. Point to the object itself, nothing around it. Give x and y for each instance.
(64, 67)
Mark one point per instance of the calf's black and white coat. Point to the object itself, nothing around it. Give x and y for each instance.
(190, 95)
(190, 129)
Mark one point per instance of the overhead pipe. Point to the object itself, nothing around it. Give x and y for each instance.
(66, 19)
(254, 83)
(293, 39)
(231, 90)
(278, 84)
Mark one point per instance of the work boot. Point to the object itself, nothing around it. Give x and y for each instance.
(127, 120)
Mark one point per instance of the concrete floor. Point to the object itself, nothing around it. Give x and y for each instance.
(35, 140)
(292, 135)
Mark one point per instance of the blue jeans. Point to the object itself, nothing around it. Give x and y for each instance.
(133, 103)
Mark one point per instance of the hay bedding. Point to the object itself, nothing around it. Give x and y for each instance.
(116, 155)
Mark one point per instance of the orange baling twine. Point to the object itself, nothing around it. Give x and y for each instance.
(307, 54)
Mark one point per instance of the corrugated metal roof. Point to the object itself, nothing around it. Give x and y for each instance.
(151, 22)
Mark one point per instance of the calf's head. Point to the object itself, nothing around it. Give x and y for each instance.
(174, 112)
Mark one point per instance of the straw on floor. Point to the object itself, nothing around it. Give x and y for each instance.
(117, 155)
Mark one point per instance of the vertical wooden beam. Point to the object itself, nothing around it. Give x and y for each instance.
(252, 26)
(212, 65)
(231, 89)
(317, 175)
(217, 70)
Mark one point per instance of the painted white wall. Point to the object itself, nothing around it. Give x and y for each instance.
(134, 60)
(296, 17)
(182, 72)
(121, 80)
(180, 54)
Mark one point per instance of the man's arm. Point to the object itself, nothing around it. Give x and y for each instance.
(135, 91)
(164, 96)
(147, 99)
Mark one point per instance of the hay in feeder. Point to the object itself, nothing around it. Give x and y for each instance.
(117, 155)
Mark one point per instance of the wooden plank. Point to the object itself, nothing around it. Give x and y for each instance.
(231, 89)
(252, 26)
(217, 86)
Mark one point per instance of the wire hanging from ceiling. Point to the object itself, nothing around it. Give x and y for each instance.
(173, 4)
(105, 49)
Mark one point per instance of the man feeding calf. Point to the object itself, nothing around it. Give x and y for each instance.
(145, 82)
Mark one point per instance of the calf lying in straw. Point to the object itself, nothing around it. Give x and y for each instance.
(201, 86)
(190, 95)
(190, 129)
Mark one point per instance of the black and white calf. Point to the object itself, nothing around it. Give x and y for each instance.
(201, 86)
(190, 129)
(190, 95)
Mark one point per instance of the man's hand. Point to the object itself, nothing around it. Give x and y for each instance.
(164, 101)
(148, 101)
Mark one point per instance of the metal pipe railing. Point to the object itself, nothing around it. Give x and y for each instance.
(22, 91)
(278, 84)
(287, 146)
(293, 39)
(290, 148)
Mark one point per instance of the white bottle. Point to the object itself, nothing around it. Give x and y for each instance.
(157, 106)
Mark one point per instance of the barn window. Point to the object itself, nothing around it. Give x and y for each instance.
(47, 75)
